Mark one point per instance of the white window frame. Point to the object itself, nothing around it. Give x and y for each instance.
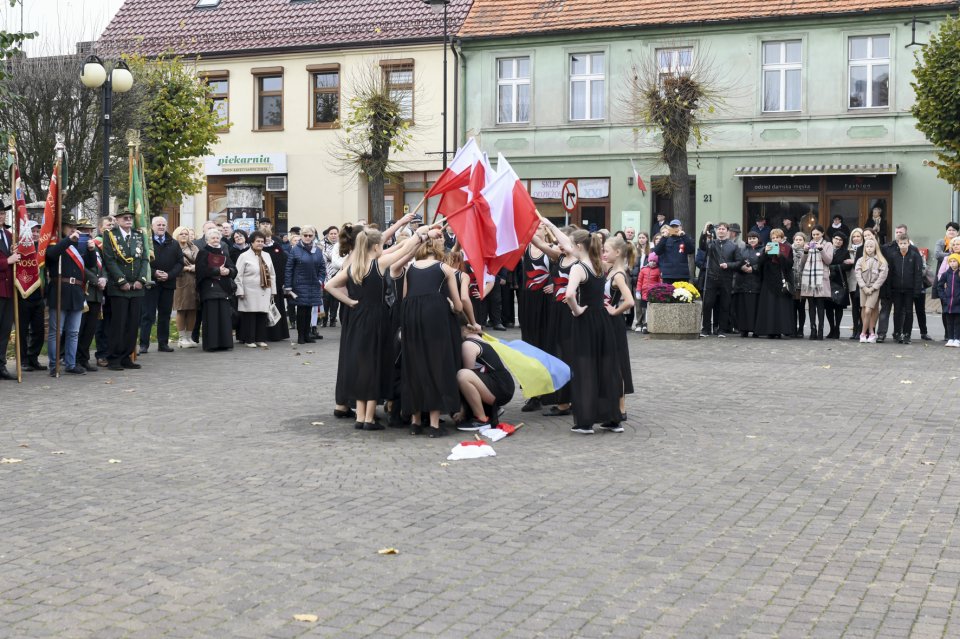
(589, 78)
(869, 63)
(674, 67)
(513, 85)
(782, 68)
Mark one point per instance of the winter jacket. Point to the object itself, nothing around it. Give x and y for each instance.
(852, 252)
(720, 252)
(906, 272)
(648, 277)
(251, 298)
(826, 256)
(64, 259)
(839, 270)
(95, 269)
(875, 274)
(210, 284)
(185, 296)
(748, 282)
(673, 251)
(949, 290)
(305, 273)
(167, 257)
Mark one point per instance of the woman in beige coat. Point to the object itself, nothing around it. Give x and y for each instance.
(815, 279)
(185, 296)
(256, 285)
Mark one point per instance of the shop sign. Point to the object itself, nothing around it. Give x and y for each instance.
(594, 188)
(546, 189)
(782, 185)
(858, 183)
(246, 163)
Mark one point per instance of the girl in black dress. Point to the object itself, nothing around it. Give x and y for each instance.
(596, 380)
(484, 380)
(365, 340)
(618, 301)
(536, 300)
(428, 363)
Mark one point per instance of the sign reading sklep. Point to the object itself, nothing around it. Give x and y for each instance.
(246, 163)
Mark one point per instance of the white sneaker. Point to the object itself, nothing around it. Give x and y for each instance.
(263, 345)
(250, 345)
(863, 338)
(583, 430)
(637, 329)
(954, 343)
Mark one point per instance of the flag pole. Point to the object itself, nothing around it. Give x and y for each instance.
(14, 224)
(59, 283)
(133, 139)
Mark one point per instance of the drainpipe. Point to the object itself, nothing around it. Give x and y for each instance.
(456, 93)
(955, 209)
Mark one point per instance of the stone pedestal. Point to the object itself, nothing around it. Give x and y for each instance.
(674, 321)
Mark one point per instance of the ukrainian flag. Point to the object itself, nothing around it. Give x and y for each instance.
(537, 372)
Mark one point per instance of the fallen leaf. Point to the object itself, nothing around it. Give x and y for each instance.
(109, 381)
(928, 463)
(388, 551)
(899, 356)
(297, 354)
(751, 436)
(129, 390)
(826, 366)
(10, 460)
(309, 352)
(444, 464)
(306, 618)
(113, 461)
(952, 378)
(905, 381)
(24, 445)
(316, 423)
(305, 363)
(58, 452)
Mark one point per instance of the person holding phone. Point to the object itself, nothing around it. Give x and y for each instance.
(673, 249)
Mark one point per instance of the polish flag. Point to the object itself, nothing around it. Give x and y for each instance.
(455, 178)
(639, 180)
(474, 227)
(513, 213)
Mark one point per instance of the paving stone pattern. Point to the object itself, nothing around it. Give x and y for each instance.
(762, 488)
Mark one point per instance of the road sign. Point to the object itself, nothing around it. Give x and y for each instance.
(569, 196)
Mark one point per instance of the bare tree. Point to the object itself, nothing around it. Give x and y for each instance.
(670, 97)
(47, 98)
(373, 127)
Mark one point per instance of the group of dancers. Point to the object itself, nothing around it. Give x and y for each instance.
(410, 339)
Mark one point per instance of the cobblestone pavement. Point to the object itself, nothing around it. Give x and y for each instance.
(762, 488)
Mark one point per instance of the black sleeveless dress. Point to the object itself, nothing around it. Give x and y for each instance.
(428, 364)
(612, 296)
(596, 381)
(280, 330)
(494, 374)
(535, 304)
(560, 325)
(339, 390)
(366, 355)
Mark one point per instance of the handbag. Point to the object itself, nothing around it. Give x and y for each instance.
(838, 295)
(273, 315)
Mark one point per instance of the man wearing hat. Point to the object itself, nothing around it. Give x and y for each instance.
(127, 274)
(65, 273)
(166, 259)
(674, 249)
(96, 288)
(31, 317)
(8, 257)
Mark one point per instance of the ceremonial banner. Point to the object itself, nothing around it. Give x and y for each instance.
(137, 203)
(51, 216)
(537, 372)
(28, 269)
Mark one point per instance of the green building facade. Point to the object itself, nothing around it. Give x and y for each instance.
(814, 121)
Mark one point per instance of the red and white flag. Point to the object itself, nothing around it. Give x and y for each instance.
(28, 271)
(474, 227)
(51, 221)
(514, 215)
(455, 179)
(639, 180)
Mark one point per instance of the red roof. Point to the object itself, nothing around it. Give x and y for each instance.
(152, 27)
(492, 18)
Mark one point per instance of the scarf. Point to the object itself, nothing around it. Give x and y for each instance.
(264, 271)
(813, 275)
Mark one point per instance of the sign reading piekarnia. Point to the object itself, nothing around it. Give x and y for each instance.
(246, 163)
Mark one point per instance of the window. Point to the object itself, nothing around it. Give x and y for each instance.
(674, 62)
(269, 86)
(399, 79)
(218, 88)
(869, 58)
(587, 86)
(513, 90)
(324, 96)
(782, 75)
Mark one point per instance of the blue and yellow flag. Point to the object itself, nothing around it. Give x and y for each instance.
(537, 372)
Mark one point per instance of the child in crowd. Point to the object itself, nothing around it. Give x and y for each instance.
(871, 271)
(949, 289)
(648, 277)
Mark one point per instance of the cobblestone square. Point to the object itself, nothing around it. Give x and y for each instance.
(761, 488)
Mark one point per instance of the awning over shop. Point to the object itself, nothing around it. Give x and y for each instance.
(816, 169)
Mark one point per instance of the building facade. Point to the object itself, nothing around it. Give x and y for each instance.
(281, 75)
(813, 118)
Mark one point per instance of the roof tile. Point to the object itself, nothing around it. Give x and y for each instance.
(491, 18)
(152, 27)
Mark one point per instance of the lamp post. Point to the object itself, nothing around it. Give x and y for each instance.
(117, 79)
(439, 6)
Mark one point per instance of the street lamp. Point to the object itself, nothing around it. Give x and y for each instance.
(440, 6)
(117, 79)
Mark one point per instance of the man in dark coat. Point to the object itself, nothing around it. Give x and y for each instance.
(837, 226)
(762, 230)
(8, 257)
(32, 320)
(166, 261)
(96, 285)
(674, 250)
(65, 272)
(127, 273)
(890, 252)
(723, 260)
(906, 280)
